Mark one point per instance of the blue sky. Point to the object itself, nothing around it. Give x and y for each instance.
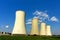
(9, 7)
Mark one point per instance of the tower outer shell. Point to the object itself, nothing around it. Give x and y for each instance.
(34, 29)
(48, 31)
(43, 29)
(19, 26)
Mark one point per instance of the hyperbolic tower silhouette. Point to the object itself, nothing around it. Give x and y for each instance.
(48, 30)
(19, 26)
(34, 29)
(43, 29)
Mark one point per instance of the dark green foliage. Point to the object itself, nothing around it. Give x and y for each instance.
(29, 37)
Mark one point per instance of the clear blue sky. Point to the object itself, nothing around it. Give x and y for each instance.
(9, 7)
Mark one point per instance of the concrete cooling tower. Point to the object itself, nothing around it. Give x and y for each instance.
(34, 29)
(42, 29)
(19, 26)
(48, 31)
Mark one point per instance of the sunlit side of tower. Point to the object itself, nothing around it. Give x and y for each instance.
(34, 29)
(48, 31)
(43, 29)
(19, 26)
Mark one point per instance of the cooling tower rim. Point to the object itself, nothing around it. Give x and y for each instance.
(48, 26)
(21, 11)
(34, 18)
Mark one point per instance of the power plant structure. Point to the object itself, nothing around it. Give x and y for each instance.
(19, 26)
(34, 29)
(43, 29)
(48, 31)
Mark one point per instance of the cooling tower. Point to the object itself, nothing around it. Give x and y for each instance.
(48, 31)
(34, 29)
(43, 29)
(19, 26)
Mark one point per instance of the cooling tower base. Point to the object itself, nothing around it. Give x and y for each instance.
(34, 35)
(18, 34)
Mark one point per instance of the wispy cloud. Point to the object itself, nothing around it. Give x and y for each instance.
(40, 21)
(37, 13)
(35, 17)
(54, 19)
(7, 26)
(42, 16)
(29, 21)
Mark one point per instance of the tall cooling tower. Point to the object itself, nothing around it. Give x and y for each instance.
(48, 31)
(34, 29)
(43, 29)
(19, 26)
